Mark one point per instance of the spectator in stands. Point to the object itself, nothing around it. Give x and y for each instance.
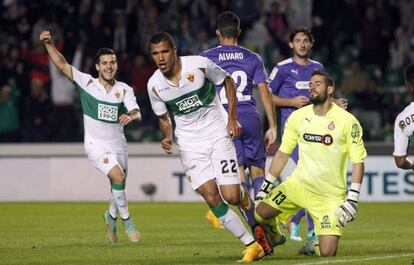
(37, 114)
(9, 116)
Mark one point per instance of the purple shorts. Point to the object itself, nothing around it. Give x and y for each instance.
(250, 145)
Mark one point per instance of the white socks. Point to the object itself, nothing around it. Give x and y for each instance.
(232, 223)
(119, 197)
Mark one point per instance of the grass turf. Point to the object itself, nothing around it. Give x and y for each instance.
(177, 233)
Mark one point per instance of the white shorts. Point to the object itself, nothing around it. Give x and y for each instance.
(105, 159)
(210, 158)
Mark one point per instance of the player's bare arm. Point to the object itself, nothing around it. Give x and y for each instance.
(403, 163)
(233, 127)
(296, 102)
(266, 96)
(134, 114)
(56, 57)
(166, 129)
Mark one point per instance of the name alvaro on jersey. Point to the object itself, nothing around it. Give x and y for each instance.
(230, 56)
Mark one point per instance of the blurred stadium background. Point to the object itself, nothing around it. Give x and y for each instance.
(364, 44)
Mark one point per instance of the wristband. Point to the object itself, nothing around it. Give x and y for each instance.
(353, 193)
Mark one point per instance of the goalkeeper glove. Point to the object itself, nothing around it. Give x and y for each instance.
(347, 212)
(267, 186)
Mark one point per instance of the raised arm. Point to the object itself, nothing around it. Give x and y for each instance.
(266, 96)
(56, 57)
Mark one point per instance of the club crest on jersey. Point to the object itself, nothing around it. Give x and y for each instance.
(331, 126)
(105, 160)
(117, 94)
(188, 103)
(190, 77)
(316, 138)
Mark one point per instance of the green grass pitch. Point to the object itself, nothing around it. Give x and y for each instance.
(177, 233)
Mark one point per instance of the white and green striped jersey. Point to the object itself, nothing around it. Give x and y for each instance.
(197, 110)
(101, 109)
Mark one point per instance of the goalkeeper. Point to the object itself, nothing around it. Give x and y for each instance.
(328, 136)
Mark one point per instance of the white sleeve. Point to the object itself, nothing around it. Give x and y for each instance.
(130, 101)
(81, 79)
(400, 140)
(158, 106)
(215, 73)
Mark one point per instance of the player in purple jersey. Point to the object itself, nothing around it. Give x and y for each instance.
(289, 82)
(247, 70)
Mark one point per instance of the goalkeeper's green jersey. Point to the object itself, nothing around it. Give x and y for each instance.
(326, 143)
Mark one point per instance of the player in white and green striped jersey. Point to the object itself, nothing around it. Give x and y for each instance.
(184, 87)
(107, 105)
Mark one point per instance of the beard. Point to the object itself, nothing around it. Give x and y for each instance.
(319, 99)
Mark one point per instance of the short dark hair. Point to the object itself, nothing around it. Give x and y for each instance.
(328, 79)
(103, 51)
(228, 23)
(303, 30)
(160, 37)
(409, 74)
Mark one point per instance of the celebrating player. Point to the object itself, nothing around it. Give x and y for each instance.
(184, 86)
(104, 101)
(328, 136)
(247, 70)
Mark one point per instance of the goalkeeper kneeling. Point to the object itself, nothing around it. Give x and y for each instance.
(328, 137)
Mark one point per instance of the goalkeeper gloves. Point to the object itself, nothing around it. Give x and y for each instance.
(347, 212)
(267, 186)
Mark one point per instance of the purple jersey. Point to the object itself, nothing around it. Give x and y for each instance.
(247, 70)
(289, 79)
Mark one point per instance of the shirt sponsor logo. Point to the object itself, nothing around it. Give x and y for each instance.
(188, 103)
(107, 112)
(230, 56)
(302, 85)
(316, 138)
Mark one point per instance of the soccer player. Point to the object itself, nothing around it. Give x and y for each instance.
(108, 105)
(184, 86)
(289, 82)
(404, 126)
(247, 70)
(328, 136)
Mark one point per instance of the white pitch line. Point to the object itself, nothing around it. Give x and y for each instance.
(355, 260)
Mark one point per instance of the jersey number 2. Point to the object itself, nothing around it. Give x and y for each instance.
(237, 75)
